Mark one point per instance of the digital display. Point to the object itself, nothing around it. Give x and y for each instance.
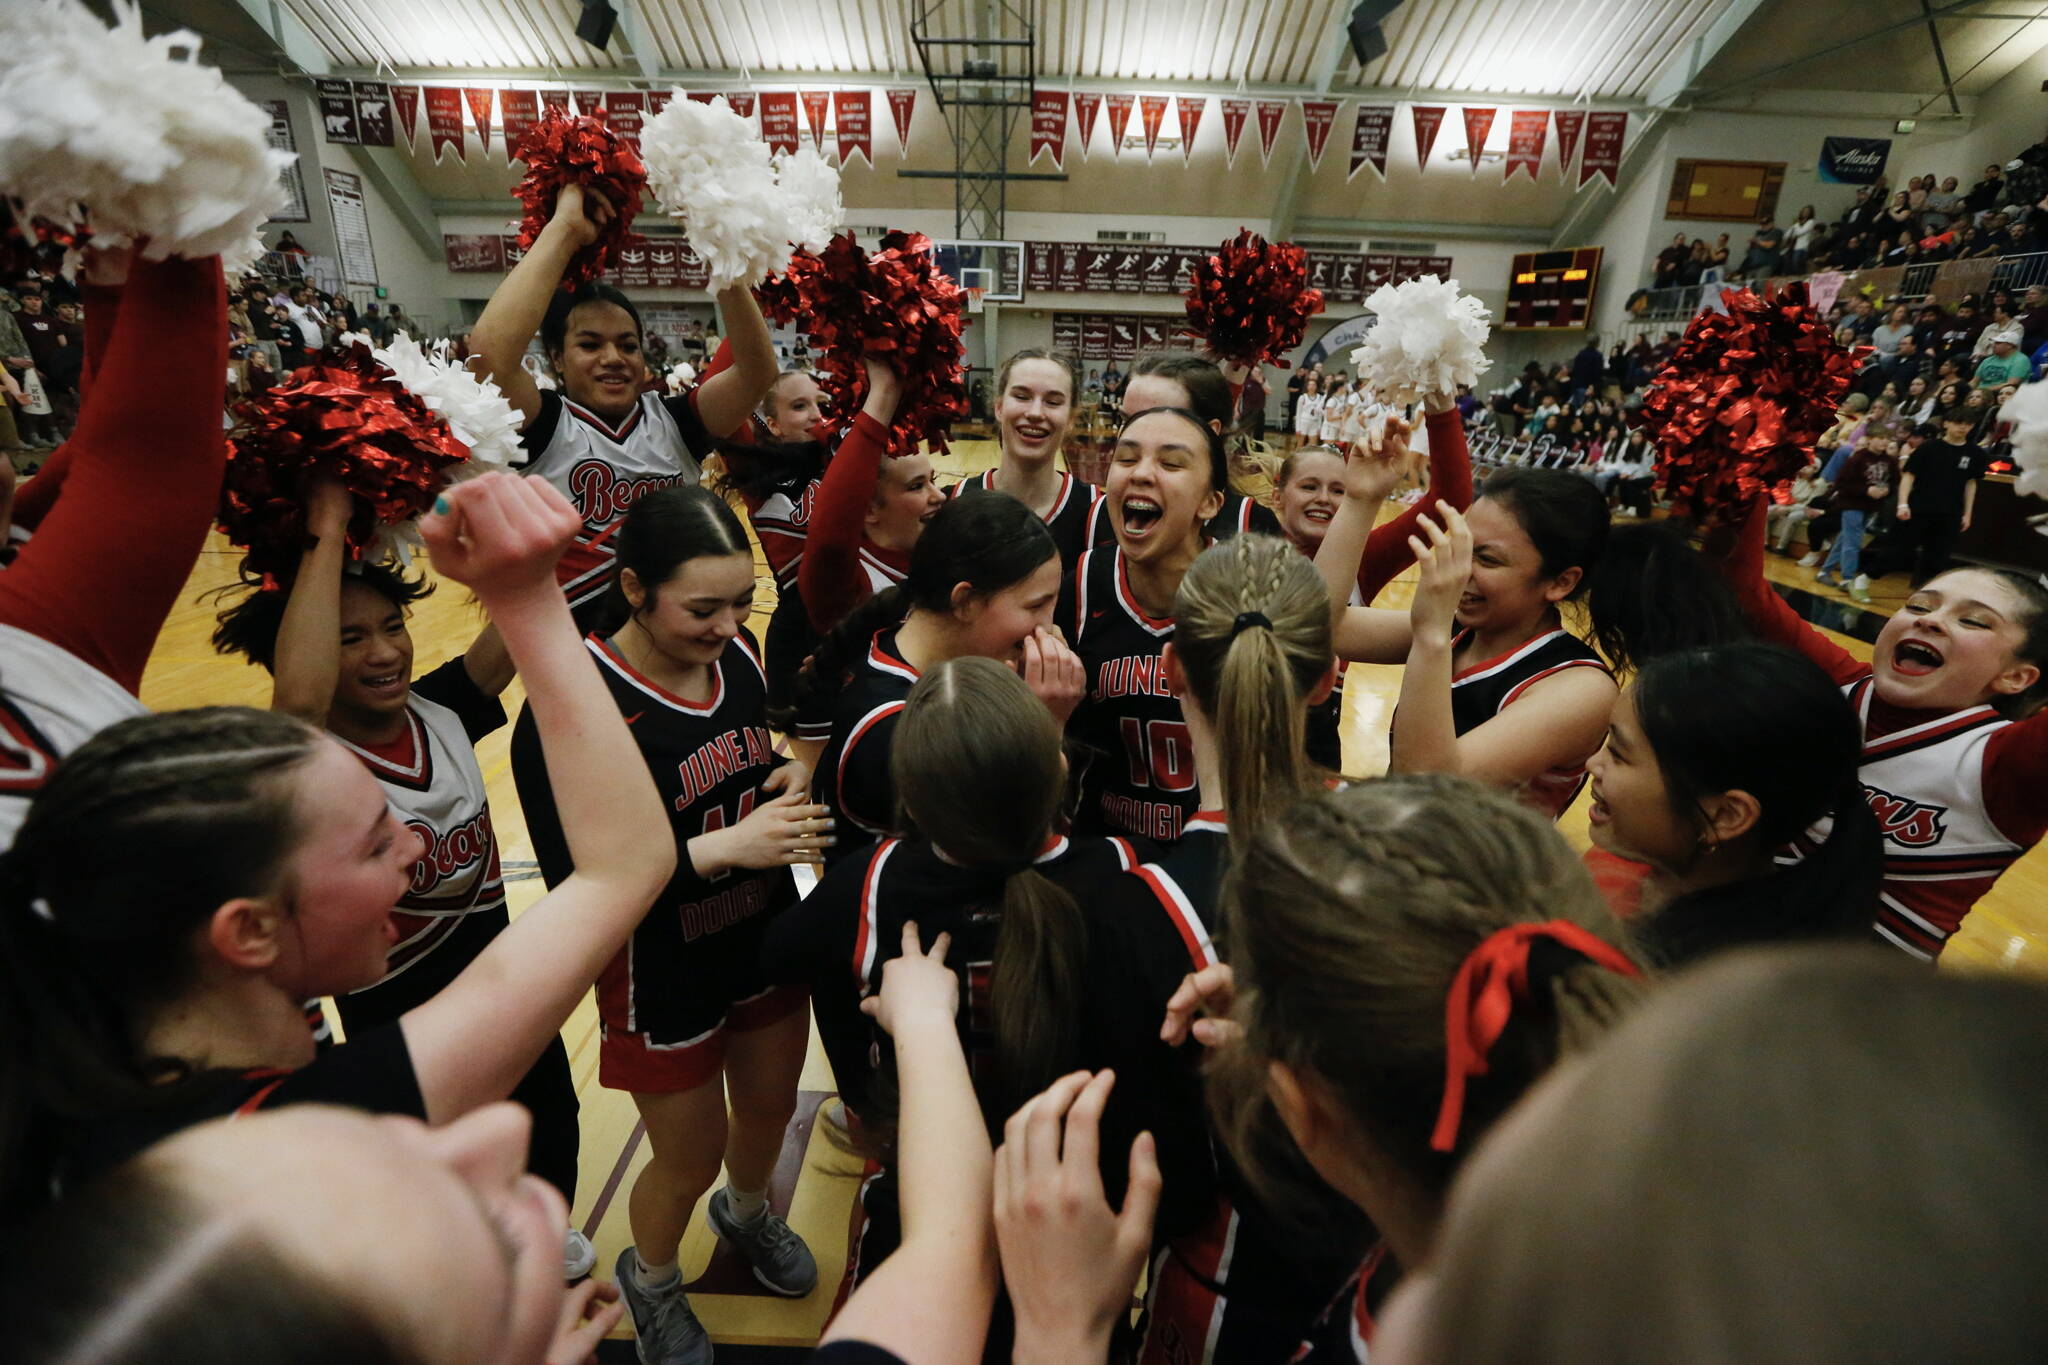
(1552, 288)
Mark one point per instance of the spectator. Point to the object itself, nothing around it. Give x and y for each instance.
(306, 332)
(1985, 193)
(2005, 364)
(1669, 261)
(44, 336)
(1917, 190)
(1800, 238)
(1766, 245)
(1959, 337)
(1863, 317)
(1587, 369)
(1917, 405)
(1895, 327)
(1717, 260)
(2026, 183)
(400, 324)
(288, 245)
(1943, 205)
(1938, 493)
(15, 362)
(1863, 485)
(1785, 519)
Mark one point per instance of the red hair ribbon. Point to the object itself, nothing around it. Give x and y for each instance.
(1482, 999)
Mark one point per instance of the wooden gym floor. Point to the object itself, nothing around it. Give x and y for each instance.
(816, 1184)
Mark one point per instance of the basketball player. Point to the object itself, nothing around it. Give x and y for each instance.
(1034, 408)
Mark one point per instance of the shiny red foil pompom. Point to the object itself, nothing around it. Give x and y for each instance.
(893, 305)
(1743, 401)
(560, 150)
(344, 418)
(1250, 300)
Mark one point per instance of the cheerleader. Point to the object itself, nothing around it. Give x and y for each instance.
(257, 864)
(1034, 408)
(606, 439)
(983, 580)
(686, 1016)
(1182, 379)
(1308, 414)
(139, 479)
(871, 510)
(1955, 744)
(1336, 409)
(1409, 957)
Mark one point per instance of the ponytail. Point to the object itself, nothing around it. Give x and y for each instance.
(841, 648)
(1040, 953)
(757, 471)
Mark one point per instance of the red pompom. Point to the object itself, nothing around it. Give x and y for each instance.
(893, 305)
(1742, 402)
(1250, 300)
(344, 418)
(560, 150)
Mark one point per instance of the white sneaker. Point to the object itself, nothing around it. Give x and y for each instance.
(1862, 583)
(1807, 561)
(579, 1257)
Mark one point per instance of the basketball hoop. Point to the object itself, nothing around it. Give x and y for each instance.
(974, 298)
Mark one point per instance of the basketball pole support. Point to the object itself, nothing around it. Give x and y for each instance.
(980, 58)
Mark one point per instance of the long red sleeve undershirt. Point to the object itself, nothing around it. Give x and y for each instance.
(1387, 551)
(111, 557)
(830, 578)
(39, 494)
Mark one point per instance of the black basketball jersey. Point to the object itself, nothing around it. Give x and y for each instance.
(853, 772)
(1485, 689)
(1079, 516)
(1138, 773)
(1241, 514)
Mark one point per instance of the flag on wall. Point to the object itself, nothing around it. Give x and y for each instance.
(1429, 119)
(555, 102)
(1119, 119)
(1604, 134)
(853, 112)
(338, 113)
(1316, 118)
(1086, 107)
(741, 102)
(778, 121)
(1151, 113)
(405, 101)
(902, 103)
(1270, 113)
(1478, 123)
(816, 104)
(1570, 123)
(1369, 134)
(1236, 113)
(479, 100)
(373, 113)
(519, 110)
(444, 119)
(1049, 125)
(625, 111)
(1528, 130)
(1188, 109)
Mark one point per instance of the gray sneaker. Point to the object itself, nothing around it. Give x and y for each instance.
(780, 1259)
(665, 1330)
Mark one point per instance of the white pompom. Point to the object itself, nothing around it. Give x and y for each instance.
(2027, 410)
(475, 409)
(1429, 339)
(711, 171)
(810, 189)
(129, 135)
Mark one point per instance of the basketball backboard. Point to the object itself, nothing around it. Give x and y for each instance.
(996, 267)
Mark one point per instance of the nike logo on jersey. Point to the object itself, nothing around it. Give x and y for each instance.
(635, 716)
(1904, 821)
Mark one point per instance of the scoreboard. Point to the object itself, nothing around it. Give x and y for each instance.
(1552, 288)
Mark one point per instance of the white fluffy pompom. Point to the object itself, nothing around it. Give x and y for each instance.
(2027, 410)
(1429, 339)
(709, 169)
(810, 188)
(475, 409)
(129, 135)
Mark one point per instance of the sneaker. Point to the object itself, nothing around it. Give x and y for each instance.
(780, 1259)
(579, 1257)
(1862, 583)
(1826, 579)
(1859, 592)
(1809, 559)
(665, 1329)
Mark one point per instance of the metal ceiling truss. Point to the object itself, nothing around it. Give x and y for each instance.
(983, 69)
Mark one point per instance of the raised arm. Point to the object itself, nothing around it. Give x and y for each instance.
(1363, 634)
(830, 579)
(516, 311)
(1387, 549)
(471, 1043)
(727, 395)
(306, 661)
(1741, 562)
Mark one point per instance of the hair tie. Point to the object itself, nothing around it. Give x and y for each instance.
(1246, 620)
(1482, 999)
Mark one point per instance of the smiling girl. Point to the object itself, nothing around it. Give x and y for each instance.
(1034, 407)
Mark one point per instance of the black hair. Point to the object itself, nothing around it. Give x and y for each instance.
(1647, 591)
(662, 532)
(1764, 720)
(759, 470)
(137, 838)
(1208, 391)
(1219, 460)
(554, 327)
(248, 626)
(987, 540)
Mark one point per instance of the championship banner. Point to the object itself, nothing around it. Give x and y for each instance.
(741, 102)
(626, 111)
(902, 103)
(664, 270)
(1347, 278)
(1316, 118)
(373, 113)
(514, 253)
(1270, 113)
(555, 102)
(1478, 123)
(1123, 337)
(1160, 264)
(1408, 268)
(817, 103)
(1155, 333)
(778, 121)
(1318, 264)
(1067, 261)
(1604, 134)
(444, 119)
(1129, 270)
(1429, 119)
(1236, 113)
(1066, 334)
(1379, 270)
(1854, 160)
(405, 102)
(1528, 130)
(1151, 113)
(853, 112)
(1369, 134)
(590, 104)
(1049, 126)
(473, 255)
(1188, 109)
(479, 102)
(1038, 266)
(1570, 123)
(518, 110)
(1119, 120)
(1098, 268)
(1095, 337)
(657, 100)
(338, 113)
(701, 96)
(1086, 107)
(631, 271)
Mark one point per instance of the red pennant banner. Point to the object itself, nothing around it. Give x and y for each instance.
(625, 111)
(1086, 107)
(590, 104)
(853, 112)
(405, 99)
(1236, 113)
(778, 121)
(741, 102)
(657, 100)
(1570, 122)
(1528, 130)
(479, 102)
(1119, 119)
(1316, 118)
(555, 101)
(902, 103)
(816, 104)
(520, 110)
(1188, 109)
(1369, 138)
(444, 119)
(1049, 126)
(1270, 112)
(1151, 113)
(1428, 119)
(702, 96)
(1478, 123)
(1604, 134)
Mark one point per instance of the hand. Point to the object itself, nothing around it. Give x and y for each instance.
(589, 1311)
(793, 776)
(580, 214)
(787, 830)
(1053, 672)
(1446, 565)
(885, 390)
(1234, 372)
(106, 267)
(1373, 464)
(1212, 990)
(1069, 1260)
(500, 534)
(917, 987)
(1905, 512)
(1966, 521)
(328, 508)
